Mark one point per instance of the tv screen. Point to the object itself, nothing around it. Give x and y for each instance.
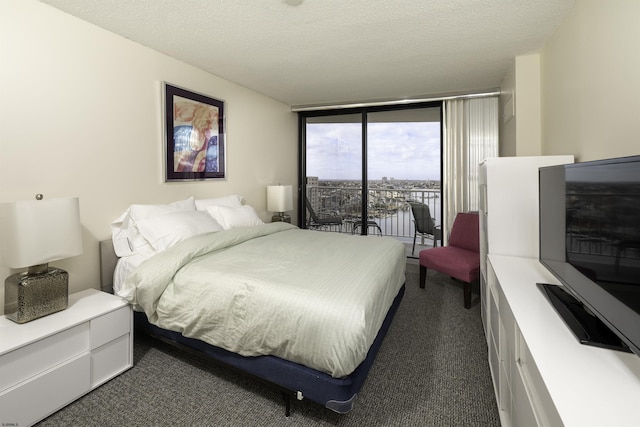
(590, 241)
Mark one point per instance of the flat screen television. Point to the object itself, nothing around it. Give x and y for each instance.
(590, 241)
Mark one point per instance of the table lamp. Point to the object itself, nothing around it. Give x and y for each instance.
(280, 200)
(32, 234)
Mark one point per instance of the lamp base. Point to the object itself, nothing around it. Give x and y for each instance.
(281, 217)
(30, 296)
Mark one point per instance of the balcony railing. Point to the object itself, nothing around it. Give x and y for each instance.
(603, 224)
(387, 207)
(602, 232)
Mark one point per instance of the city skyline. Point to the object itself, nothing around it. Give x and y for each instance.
(404, 151)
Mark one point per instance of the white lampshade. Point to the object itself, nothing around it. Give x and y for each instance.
(37, 232)
(279, 198)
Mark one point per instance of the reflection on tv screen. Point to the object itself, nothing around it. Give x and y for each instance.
(603, 233)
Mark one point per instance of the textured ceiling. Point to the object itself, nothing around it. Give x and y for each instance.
(330, 51)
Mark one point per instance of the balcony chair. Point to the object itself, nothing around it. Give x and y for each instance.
(319, 222)
(371, 225)
(460, 259)
(424, 224)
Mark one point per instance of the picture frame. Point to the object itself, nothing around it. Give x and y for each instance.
(194, 135)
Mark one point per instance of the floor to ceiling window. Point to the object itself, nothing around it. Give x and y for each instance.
(358, 169)
(333, 169)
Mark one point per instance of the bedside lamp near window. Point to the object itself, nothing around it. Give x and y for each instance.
(280, 200)
(32, 234)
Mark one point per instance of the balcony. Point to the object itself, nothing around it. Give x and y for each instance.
(387, 207)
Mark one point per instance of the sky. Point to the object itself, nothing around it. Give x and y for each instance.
(408, 151)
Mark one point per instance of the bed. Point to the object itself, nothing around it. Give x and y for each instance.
(305, 311)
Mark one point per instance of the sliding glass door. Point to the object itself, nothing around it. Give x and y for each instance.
(404, 165)
(334, 165)
(359, 169)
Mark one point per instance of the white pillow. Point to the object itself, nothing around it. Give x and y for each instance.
(138, 212)
(120, 235)
(164, 231)
(228, 218)
(124, 232)
(233, 201)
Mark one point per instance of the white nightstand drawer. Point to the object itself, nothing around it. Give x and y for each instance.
(110, 326)
(32, 359)
(110, 360)
(46, 393)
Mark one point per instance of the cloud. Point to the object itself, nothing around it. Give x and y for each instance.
(399, 150)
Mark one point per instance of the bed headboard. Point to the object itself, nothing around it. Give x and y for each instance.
(108, 260)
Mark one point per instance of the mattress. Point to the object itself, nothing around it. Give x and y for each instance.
(313, 298)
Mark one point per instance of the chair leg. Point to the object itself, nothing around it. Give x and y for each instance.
(423, 276)
(413, 251)
(467, 295)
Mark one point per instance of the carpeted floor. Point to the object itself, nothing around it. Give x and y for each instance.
(432, 370)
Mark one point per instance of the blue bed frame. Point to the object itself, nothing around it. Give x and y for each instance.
(292, 379)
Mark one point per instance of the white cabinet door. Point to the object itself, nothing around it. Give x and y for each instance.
(511, 203)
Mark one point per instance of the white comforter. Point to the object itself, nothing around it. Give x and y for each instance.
(310, 297)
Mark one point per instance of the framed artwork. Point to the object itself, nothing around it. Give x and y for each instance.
(194, 135)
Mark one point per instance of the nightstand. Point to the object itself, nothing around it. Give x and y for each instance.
(50, 362)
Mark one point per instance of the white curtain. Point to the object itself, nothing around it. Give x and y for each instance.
(470, 128)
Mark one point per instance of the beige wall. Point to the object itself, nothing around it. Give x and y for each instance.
(520, 108)
(81, 116)
(590, 73)
(528, 105)
(508, 120)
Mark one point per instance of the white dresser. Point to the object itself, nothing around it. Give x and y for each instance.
(542, 375)
(50, 362)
